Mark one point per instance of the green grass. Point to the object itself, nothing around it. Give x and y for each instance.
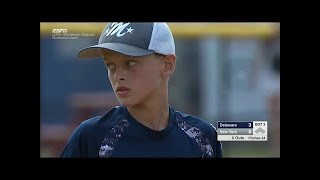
(249, 152)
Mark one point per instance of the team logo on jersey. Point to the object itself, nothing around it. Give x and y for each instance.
(118, 29)
(105, 150)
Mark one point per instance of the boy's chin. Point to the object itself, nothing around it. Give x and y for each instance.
(127, 103)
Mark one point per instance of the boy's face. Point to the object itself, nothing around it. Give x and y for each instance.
(133, 79)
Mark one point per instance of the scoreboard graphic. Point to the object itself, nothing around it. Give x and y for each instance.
(242, 131)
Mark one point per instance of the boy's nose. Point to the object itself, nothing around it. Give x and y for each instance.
(119, 76)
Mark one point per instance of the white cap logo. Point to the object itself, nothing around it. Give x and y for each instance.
(117, 28)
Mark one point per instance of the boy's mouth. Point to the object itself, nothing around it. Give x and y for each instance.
(122, 91)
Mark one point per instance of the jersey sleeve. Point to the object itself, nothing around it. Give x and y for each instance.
(219, 151)
(217, 144)
(77, 144)
(72, 148)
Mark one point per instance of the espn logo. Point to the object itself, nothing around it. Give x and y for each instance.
(56, 31)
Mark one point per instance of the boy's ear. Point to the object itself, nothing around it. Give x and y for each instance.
(169, 65)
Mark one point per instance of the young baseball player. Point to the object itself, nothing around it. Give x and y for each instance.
(140, 58)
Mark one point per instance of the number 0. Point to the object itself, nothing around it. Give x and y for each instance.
(249, 124)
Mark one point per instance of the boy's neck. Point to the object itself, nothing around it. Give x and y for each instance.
(153, 114)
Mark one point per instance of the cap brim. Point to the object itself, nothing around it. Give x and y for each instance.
(93, 51)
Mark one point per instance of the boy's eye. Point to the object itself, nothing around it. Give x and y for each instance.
(131, 63)
(110, 66)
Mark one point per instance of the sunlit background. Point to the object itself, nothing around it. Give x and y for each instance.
(224, 72)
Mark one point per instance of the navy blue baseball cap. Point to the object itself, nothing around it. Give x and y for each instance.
(133, 39)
